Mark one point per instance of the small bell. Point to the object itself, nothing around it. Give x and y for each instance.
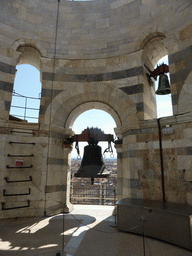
(92, 165)
(164, 87)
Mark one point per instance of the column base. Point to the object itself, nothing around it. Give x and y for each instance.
(69, 207)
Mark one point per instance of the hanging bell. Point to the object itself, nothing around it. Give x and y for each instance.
(92, 165)
(164, 87)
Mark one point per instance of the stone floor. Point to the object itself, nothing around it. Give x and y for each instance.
(88, 231)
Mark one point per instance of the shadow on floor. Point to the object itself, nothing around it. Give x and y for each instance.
(103, 239)
(84, 235)
(32, 236)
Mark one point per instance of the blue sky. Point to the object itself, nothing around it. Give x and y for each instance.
(94, 118)
(27, 83)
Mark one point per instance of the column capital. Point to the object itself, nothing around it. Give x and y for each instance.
(118, 145)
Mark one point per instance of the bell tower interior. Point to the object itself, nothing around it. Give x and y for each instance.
(93, 55)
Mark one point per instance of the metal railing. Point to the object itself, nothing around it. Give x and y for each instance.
(100, 194)
(23, 108)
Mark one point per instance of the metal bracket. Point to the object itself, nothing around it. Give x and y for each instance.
(25, 194)
(11, 208)
(9, 181)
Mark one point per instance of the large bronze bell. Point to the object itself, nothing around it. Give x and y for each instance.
(92, 165)
(164, 87)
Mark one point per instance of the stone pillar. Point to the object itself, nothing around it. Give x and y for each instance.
(67, 176)
(57, 187)
(118, 146)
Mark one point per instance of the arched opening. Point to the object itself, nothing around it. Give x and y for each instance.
(25, 102)
(164, 102)
(104, 189)
(26, 94)
(155, 52)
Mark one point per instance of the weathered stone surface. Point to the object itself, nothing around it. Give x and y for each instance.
(98, 62)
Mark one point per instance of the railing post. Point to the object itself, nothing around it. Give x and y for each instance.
(25, 107)
(114, 197)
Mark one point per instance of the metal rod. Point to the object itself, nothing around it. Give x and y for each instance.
(12, 208)
(25, 194)
(25, 108)
(33, 117)
(161, 161)
(51, 99)
(22, 96)
(15, 142)
(114, 196)
(18, 167)
(63, 240)
(13, 181)
(23, 132)
(20, 155)
(143, 243)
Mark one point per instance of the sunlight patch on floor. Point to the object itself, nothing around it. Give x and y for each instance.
(47, 246)
(35, 227)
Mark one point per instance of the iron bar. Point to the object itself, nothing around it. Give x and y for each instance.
(20, 155)
(14, 181)
(23, 132)
(51, 99)
(17, 142)
(84, 197)
(24, 107)
(26, 117)
(17, 167)
(114, 191)
(12, 208)
(24, 194)
(22, 96)
(161, 161)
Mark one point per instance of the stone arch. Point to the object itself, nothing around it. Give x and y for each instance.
(153, 48)
(29, 55)
(28, 42)
(66, 106)
(91, 105)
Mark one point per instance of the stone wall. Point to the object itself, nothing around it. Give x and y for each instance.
(95, 59)
(45, 174)
(94, 29)
(142, 167)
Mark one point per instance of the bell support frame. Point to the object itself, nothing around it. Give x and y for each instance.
(89, 134)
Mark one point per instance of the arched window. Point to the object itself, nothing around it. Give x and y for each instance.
(103, 190)
(164, 102)
(25, 102)
(94, 118)
(154, 50)
(26, 94)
